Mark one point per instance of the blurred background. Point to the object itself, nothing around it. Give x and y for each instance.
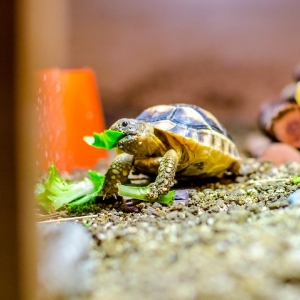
(227, 56)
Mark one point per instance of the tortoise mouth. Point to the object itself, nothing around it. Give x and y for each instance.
(127, 138)
(130, 144)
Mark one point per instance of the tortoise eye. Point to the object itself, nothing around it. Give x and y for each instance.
(124, 123)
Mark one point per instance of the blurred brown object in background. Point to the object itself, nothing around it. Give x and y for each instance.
(297, 73)
(280, 153)
(280, 120)
(256, 143)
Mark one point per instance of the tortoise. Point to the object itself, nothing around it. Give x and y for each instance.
(176, 140)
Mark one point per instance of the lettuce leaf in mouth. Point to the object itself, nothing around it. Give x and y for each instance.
(107, 139)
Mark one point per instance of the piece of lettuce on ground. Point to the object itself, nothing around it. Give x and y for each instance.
(56, 192)
(139, 192)
(296, 179)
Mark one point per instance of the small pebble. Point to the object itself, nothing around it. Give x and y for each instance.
(294, 198)
(277, 204)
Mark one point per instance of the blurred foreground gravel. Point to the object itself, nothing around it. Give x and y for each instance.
(232, 240)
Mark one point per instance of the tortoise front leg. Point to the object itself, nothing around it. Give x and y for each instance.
(117, 173)
(166, 174)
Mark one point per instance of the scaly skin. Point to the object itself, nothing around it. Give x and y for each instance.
(166, 174)
(140, 142)
(117, 174)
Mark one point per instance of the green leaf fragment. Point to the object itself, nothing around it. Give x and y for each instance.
(55, 192)
(138, 192)
(97, 179)
(296, 179)
(107, 139)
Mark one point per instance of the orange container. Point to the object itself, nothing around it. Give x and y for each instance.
(68, 108)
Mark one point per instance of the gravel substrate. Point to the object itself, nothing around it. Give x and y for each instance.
(231, 240)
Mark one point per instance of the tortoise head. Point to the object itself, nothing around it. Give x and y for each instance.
(139, 139)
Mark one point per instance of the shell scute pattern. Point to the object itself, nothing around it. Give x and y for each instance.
(182, 119)
(209, 145)
(157, 113)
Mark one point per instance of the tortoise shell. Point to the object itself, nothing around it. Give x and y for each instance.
(210, 149)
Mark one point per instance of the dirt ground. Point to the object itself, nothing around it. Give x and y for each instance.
(231, 240)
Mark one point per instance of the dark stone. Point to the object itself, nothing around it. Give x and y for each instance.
(130, 205)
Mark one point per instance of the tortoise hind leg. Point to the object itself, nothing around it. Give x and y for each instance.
(235, 168)
(166, 174)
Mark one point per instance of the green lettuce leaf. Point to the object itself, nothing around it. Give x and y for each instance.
(107, 139)
(55, 192)
(139, 192)
(296, 179)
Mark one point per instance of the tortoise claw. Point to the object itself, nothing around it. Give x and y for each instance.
(153, 192)
(108, 196)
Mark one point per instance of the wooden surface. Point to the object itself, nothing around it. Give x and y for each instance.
(42, 28)
(9, 244)
(24, 26)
